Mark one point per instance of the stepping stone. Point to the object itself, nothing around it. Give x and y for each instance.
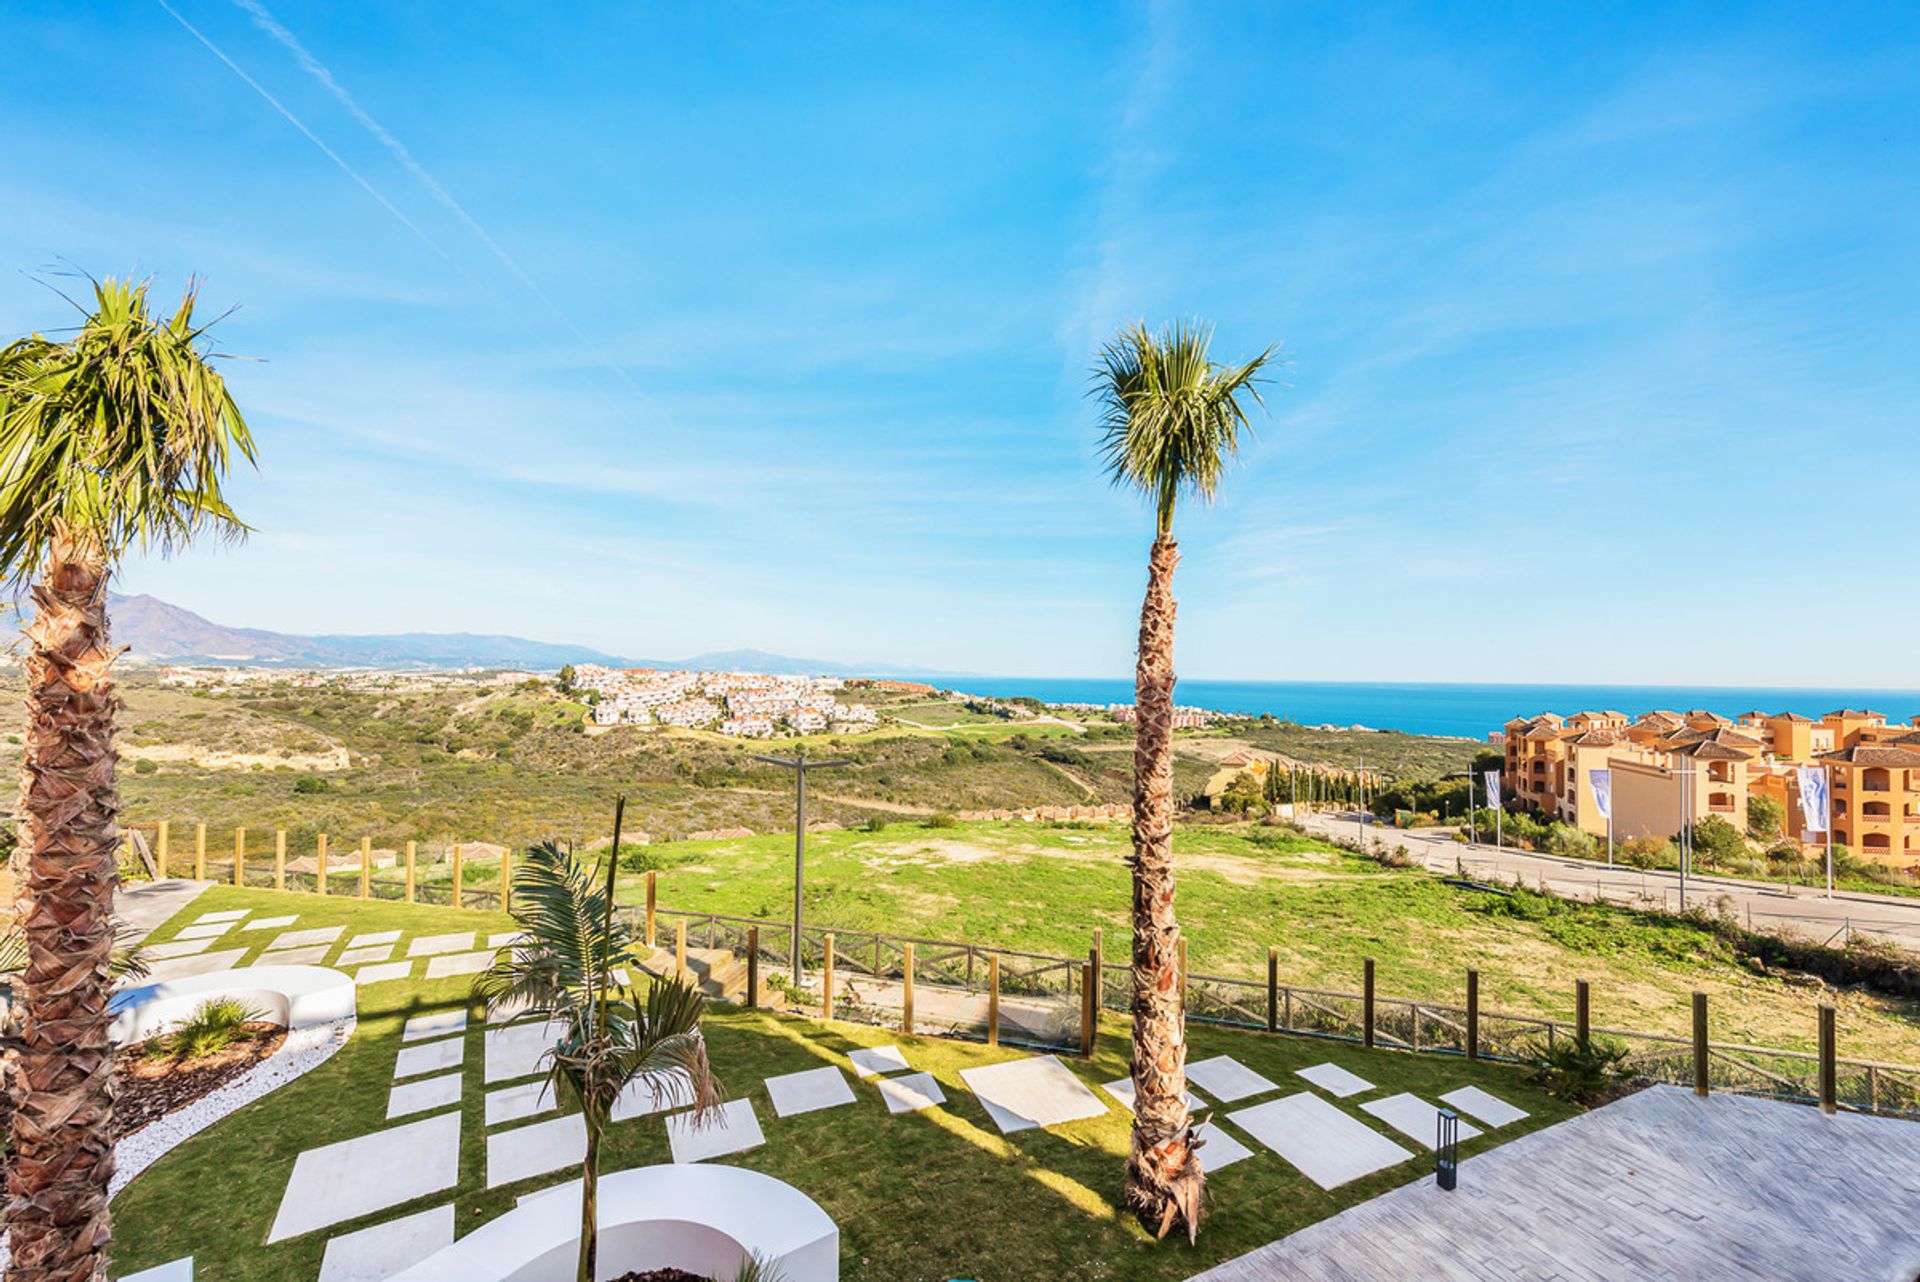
(377, 937)
(1022, 1094)
(910, 1092)
(296, 956)
(872, 1061)
(376, 1254)
(175, 948)
(202, 964)
(430, 1057)
(1414, 1118)
(1227, 1079)
(357, 1177)
(435, 1024)
(433, 945)
(382, 973)
(418, 1097)
(1220, 1150)
(1328, 1146)
(302, 938)
(1476, 1103)
(505, 940)
(508, 1009)
(233, 915)
(208, 931)
(527, 1151)
(655, 1093)
(180, 1270)
(529, 1099)
(458, 964)
(271, 923)
(518, 1049)
(808, 1091)
(621, 976)
(1335, 1080)
(1122, 1090)
(360, 956)
(732, 1129)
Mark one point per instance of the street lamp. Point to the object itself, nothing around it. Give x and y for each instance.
(799, 765)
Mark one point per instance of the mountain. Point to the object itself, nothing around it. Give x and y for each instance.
(158, 632)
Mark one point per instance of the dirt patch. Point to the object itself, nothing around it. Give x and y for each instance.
(334, 759)
(150, 1087)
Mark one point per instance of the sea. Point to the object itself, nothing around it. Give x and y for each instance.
(1465, 711)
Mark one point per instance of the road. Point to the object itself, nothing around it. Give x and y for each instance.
(1763, 905)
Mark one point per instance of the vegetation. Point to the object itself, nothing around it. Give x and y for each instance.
(118, 436)
(1171, 420)
(1581, 1072)
(215, 1025)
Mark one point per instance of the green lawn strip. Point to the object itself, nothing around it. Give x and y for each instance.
(925, 1196)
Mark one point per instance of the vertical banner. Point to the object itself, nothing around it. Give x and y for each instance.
(1601, 781)
(1493, 789)
(1815, 804)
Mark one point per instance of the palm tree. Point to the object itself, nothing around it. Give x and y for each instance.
(571, 941)
(1170, 421)
(121, 435)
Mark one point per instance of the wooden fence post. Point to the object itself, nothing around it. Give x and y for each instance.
(199, 852)
(459, 872)
(1829, 1062)
(1366, 1002)
(1582, 1013)
(506, 880)
(1473, 1014)
(826, 980)
(320, 864)
(753, 967)
(652, 903)
(161, 840)
(366, 867)
(993, 999)
(1273, 988)
(906, 996)
(279, 858)
(412, 855)
(239, 856)
(1099, 969)
(1086, 1010)
(1700, 1044)
(680, 948)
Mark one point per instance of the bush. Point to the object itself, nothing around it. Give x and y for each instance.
(1563, 839)
(875, 823)
(311, 784)
(145, 766)
(1718, 841)
(1765, 817)
(1586, 1073)
(1649, 852)
(941, 819)
(216, 1025)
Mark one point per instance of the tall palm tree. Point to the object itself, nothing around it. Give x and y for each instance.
(1170, 421)
(571, 942)
(118, 436)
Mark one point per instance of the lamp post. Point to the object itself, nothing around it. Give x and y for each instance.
(799, 765)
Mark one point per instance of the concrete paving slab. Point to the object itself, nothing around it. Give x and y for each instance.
(175, 948)
(306, 938)
(357, 1177)
(450, 964)
(417, 1097)
(872, 1061)
(1227, 1079)
(1335, 1080)
(376, 937)
(310, 956)
(732, 1129)
(377, 1253)
(657, 1093)
(1219, 1149)
(211, 930)
(434, 945)
(180, 1270)
(1038, 1091)
(910, 1092)
(505, 938)
(271, 923)
(1122, 1090)
(233, 914)
(1482, 1107)
(507, 1010)
(516, 1050)
(436, 1023)
(808, 1091)
(514, 1103)
(199, 964)
(1328, 1146)
(364, 956)
(1414, 1118)
(430, 1057)
(383, 972)
(526, 1151)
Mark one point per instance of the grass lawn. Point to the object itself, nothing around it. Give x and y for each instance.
(925, 1196)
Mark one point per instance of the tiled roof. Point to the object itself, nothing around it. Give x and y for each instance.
(1876, 754)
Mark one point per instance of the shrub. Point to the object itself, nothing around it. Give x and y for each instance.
(311, 784)
(875, 823)
(1563, 839)
(1718, 841)
(145, 766)
(1585, 1073)
(1764, 818)
(216, 1025)
(1648, 852)
(941, 819)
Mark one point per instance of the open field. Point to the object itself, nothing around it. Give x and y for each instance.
(918, 1198)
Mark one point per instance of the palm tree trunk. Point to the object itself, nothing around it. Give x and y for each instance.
(62, 1131)
(590, 1198)
(1164, 1180)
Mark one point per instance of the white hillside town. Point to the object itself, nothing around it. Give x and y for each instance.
(746, 705)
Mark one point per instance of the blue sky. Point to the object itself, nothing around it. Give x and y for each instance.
(670, 328)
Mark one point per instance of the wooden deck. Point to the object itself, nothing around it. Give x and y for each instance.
(1661, 1184)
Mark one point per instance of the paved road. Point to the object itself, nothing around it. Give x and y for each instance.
(1804, 910)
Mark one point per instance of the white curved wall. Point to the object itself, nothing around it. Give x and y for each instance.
(295, 997)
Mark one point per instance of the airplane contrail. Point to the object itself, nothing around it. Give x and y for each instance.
(312, 137)
(313, 66)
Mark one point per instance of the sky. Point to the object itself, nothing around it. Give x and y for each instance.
(667, 328)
